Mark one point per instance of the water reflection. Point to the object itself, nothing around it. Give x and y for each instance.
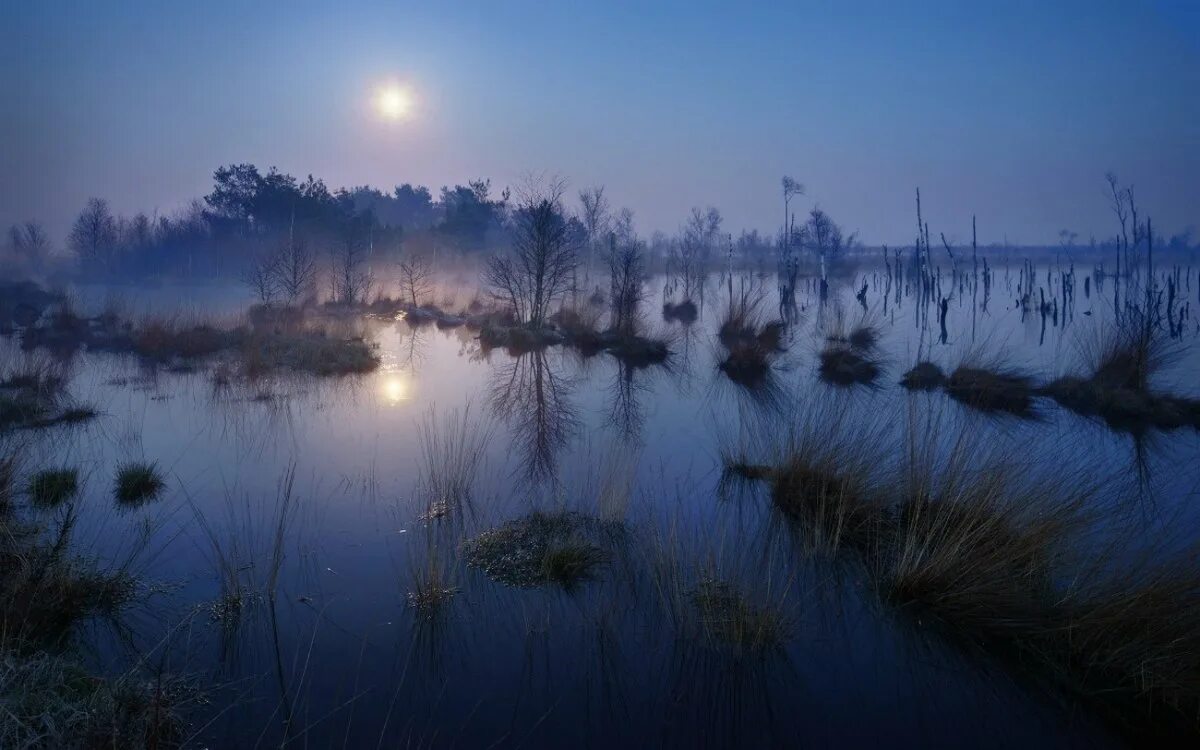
(396, 387)
(533, 396)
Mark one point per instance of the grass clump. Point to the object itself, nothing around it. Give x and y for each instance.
(1118, 388)
(563, 549)
(846, 366)
(750, 345)
(684, 312)
(822, 474)
(994, 389)
(51, 487)
(924, 376)
(310, 351)
(431, 592)
(569, 562)
(138, 483)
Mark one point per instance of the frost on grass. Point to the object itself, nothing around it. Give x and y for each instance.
(563, 549)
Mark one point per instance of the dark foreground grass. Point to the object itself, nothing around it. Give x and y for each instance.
(137, 483)
(995, 550)
(52, 487)
(50, 595)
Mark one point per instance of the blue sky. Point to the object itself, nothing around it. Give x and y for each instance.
(1012, 111)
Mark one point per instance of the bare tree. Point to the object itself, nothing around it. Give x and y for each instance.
(93, 235)
(622, 227)
(416, 279)
(261, 276)
(626, 271)
(537, 270)
(535, 399)
(791, 188)
(295, 269)
(352, 280)
(697, 238)
(595, 217)
(29, 242)
(825, 238)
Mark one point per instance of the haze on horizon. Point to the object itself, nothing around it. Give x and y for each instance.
(1012, 112)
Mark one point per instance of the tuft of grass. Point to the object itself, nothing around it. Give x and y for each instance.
(823, 474)
(1126, 355)
(138, 483)
(452, 451)
(863, 337)
(995, 389)
(684, 312)
(563, 549)
(1122, 360)
(51, 487)
(751, 345)
(846, 366)
(432, 592)
(570, 562)
(924, 376)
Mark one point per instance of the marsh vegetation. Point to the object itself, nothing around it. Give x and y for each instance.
(959, 487)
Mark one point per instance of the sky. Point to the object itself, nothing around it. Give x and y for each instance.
(1011, 111)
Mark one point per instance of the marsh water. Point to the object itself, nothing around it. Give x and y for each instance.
(340, 657)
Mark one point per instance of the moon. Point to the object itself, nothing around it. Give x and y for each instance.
(394, 102)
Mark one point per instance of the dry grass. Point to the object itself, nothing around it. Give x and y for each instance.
(823, 472)
(1122, 359)
(974, 539)
(452, 452)
(1130, 639)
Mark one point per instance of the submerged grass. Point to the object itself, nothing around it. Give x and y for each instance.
(727, 616)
